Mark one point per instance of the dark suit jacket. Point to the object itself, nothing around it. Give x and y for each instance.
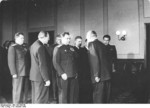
(111, 52)
(79, 59)
(49, 55)
(99, 64)
(16, 60)
(84, 75)
(39, 69)
(66, 61)
(112, 55)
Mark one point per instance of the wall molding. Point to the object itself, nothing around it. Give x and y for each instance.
(41, 28)
(82, 18)
(105, 17)
(1, 20)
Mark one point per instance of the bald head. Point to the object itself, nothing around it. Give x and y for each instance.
(91, 34)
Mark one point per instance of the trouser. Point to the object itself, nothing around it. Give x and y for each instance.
(20, 89)
(85, 92)
(101, 92)
(66, 90)
(26, 89)
(76, 91)
(54, 86)
(40, 93)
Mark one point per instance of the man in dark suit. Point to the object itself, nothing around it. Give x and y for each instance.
(100, 68)
(83, 73)
(65, 66)
(79, 83)
(111, 52)
(17, 65)
(39, 73)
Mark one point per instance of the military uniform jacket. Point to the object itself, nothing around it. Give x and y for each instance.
(66, 61)
(99, 64)
(39, 70)
(112, 53)
(16, 60)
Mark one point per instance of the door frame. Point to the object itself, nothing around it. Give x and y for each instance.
(146, 58)
(41, 30)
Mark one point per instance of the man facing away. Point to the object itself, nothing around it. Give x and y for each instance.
(65, 66)
(17, 65)
(39, 73)
(99, 67)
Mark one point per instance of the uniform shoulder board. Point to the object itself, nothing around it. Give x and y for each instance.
(59, 46)
(13, 44)
(72, 49)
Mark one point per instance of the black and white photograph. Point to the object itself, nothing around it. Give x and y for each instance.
(76, 52)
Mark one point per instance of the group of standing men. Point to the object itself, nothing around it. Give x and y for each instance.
(75, 73)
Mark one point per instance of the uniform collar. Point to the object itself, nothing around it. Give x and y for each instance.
(107, 45)
(65, 45)
(40, 42)
(18, 44)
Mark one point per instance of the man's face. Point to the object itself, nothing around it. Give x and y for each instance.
(106, 41)
(46, 39)
(66, 39)
(20, 39)
(58, 40)
(78, 42)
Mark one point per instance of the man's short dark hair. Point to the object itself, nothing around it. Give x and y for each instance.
(65, 33)
(107, 36)
(78, 37)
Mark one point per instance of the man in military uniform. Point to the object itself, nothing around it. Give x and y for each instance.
(39, 73)
(111, 52)
(100, 68)
(66, 70)
(16, 62)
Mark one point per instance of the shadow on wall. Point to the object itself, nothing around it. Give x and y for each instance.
(130, 56)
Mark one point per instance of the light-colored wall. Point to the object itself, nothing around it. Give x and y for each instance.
(79, 16)
(105, 17)
(68, 17)
(124, 15)
(94, 16)
(146, 8)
